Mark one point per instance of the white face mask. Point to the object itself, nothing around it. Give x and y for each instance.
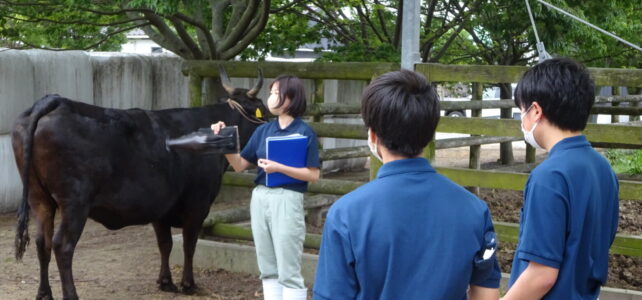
(373, 148)
(528, 135)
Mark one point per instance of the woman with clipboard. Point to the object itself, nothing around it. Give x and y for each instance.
(278, 217)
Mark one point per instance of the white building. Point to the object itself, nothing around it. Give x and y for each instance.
(139, 43)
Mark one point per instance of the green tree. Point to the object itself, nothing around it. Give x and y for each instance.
(502, 32)
(193, 29)
(371, 30)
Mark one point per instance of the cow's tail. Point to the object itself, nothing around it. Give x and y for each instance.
(41, 108)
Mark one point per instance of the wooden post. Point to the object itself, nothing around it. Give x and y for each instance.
(616, 92)
(530, 153)
(375, 164)
(506, 149)
(636, 91)
(634, 117)
(195, 90)
(318, 97)
(475, 150)
(429, 151)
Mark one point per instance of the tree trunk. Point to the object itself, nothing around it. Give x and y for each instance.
(506, 149)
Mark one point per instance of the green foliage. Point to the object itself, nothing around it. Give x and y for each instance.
(359, 52)
(283, 34)
(59, 25)
(625, 161)
(452, 32)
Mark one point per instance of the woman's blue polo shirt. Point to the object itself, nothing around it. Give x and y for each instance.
(569, 219)
(255, 148)
(409, 234)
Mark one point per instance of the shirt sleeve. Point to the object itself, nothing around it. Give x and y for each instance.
(313, 151)
(336, 277)
(544, 221)
(250, 149)
(486, 272)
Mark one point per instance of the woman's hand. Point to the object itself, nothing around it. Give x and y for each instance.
(216, 127)
(269, 166)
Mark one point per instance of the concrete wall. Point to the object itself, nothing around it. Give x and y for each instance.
(344, 92)
(10, 183)
(118, 80)
(16, 87)
(106, 79)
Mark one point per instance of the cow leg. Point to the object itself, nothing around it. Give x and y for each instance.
(64, 243)
(164, 239)
(190, 237)
(44, 213)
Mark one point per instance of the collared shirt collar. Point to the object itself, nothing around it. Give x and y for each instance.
(569, 143)
(408, 165)
(294, 124)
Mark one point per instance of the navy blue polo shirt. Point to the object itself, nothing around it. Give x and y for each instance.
(569, 219)
(409, 234)
(255, 148)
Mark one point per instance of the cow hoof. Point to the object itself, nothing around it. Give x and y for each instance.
(44, 296)
(189, 289)
(168, 287)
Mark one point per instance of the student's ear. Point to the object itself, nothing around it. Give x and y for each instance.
(372, 136)
(538, 113)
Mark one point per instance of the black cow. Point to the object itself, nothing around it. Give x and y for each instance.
(112, 165)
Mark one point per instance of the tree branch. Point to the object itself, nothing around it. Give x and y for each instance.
(382, 21)
(217, 6)
(239, 7)
(235, 33)
(204, 36)
(396, 41)
(32, 19)
(333, 19)
(164, 36)
(285, 7)
(108, 36)
(366, 16)
(264, 12)
(186, 38)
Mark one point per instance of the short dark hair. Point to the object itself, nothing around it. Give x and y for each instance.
(402, 109)
(563, 88)
(291, 87)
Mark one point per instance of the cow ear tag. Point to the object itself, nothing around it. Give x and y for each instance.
(258, 113)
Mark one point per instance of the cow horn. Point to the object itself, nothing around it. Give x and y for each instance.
(255, 90)
(225, 80)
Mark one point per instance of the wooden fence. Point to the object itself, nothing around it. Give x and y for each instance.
(487, 130)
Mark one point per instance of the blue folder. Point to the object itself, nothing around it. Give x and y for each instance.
(288, 150)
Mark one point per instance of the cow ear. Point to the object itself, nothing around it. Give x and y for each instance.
(258, 113)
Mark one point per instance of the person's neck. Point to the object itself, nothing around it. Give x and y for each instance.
(553, 135)
(285, 120)
(387, 156)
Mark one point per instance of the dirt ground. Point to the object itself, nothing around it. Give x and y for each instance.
(124, 264)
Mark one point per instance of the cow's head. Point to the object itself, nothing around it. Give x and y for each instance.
(251, 109)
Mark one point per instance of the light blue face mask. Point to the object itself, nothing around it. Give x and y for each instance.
(373, 148)
(529, 137)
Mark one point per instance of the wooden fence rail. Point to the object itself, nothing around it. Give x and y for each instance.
(624, 244)
(507, 130)
(366, 71)
(343, 109)
(599, 133)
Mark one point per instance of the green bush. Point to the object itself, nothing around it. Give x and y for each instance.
(625, 161)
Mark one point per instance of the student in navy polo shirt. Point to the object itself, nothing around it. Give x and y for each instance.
(570, 212)
(410, 233)
(278, 225)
